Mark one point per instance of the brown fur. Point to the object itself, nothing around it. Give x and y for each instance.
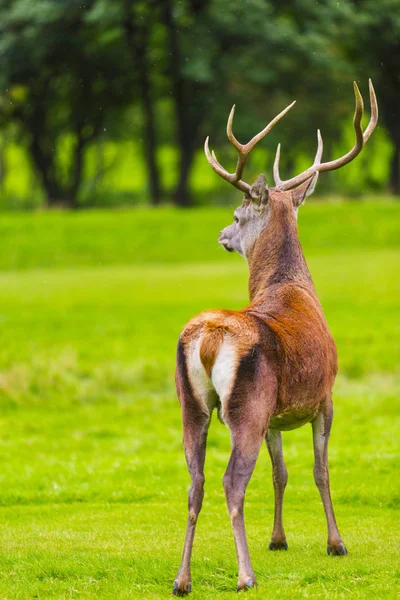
(214, 326)
(273, 363)
(284, 298)
(211, 342)
(284, 372)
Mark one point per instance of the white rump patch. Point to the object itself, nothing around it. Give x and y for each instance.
(199, 381)
(223, 373)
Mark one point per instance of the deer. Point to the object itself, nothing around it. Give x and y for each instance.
(271, 366)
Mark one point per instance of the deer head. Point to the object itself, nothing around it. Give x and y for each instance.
(253, 215)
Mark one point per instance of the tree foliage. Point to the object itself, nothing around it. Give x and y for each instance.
(375, 49)
(62, 76)
(69, 71)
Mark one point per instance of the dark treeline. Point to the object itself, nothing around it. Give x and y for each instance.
(75, 76)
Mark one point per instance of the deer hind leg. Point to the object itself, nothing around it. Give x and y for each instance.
(194, 440)
(196, 416)
(247, 413)
(240, 468)
(321, 430)
(279, 478)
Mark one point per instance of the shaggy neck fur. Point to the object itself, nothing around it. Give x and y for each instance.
(277, 256)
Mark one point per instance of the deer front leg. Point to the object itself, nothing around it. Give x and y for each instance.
(194, 441)
(321, 430)
(279, 478)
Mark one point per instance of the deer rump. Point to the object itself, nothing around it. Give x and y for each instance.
(230, 351)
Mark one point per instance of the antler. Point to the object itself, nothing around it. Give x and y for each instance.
(361, 139)
(317, 160)
(242, 149)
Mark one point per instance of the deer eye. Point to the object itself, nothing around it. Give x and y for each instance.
(236, 219)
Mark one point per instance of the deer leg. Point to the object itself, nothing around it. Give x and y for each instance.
(279, 478)
(240, 468)
(247, 413)
(321, 430)
(194, 441)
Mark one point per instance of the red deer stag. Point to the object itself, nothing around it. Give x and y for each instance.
(271, 366)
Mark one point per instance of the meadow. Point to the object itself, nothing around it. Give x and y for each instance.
(93, 482)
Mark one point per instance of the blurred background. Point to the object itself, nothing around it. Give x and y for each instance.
(108, 103)
(104, 107)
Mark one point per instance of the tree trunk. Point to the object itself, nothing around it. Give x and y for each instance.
(182, 192)
(3, 145)
(55, 193)
(138, 41)
(395, 171)
(150, 140)
(44, 166)
(186, 126)
(76, 175)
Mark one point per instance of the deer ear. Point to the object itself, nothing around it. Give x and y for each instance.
(303, 190)
(259, 190)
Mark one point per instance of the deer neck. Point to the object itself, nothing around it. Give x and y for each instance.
(277, 257)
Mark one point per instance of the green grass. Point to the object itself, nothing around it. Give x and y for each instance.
(98, 238)
(93, 482)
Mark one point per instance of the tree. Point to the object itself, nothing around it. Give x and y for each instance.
(224, 52)
(62, 77)
(187, 92)
(69, 71)
(375, 49)
(138, 21)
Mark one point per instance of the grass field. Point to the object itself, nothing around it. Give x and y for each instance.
(93, 481)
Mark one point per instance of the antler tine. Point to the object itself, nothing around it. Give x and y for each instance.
(242, 149)
(358, 146)
(374, 112)
(245, 149)
(239, 147)
(216, 159)
(320, 149)
(277, 179)
(317, 160)
(230, 177)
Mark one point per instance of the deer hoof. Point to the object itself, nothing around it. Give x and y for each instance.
(181, 589)
(278, 545)
(339, 550)
(250, 582)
